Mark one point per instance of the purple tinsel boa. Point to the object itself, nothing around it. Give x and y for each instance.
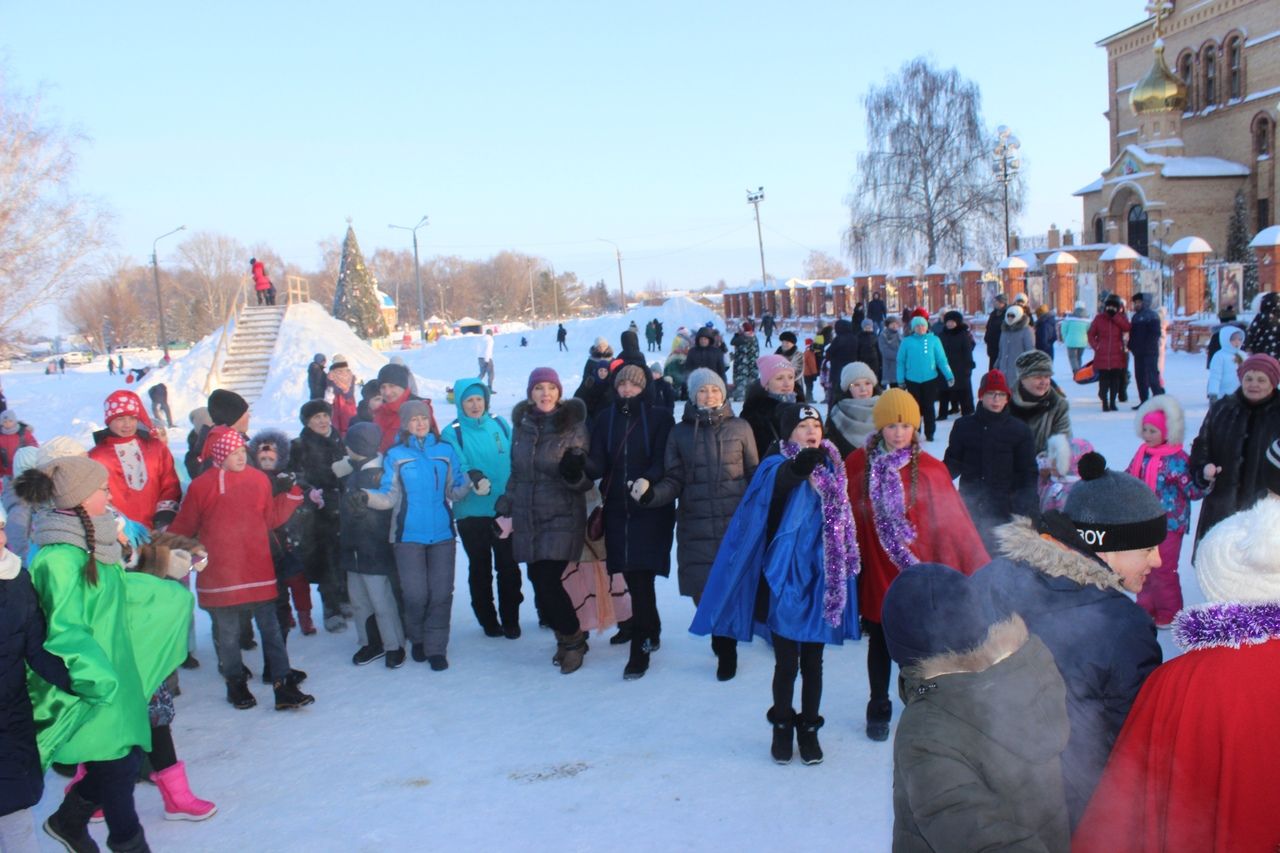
(1226, 625)
(839, 541)
(889, 501)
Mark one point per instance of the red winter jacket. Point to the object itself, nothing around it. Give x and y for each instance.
(10, 444)
(344, 405)
(1106, 338)
(232, 514)
(260, 280)
(140, 476)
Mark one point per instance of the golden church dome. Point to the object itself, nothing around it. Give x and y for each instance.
(1160, 90)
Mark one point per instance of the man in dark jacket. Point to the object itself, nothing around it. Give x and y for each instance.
(1067, 576)
(311, 456)
(978, 755)
(992, 336)
(1144, 343)
(316, 376)
(877, 311)
(868, 350)
(843, 350)
(766, 326)
(958, 344)
(994, 455)
(705, 353)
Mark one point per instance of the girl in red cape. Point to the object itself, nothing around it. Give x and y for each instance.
(1193, 770)
(913, 517)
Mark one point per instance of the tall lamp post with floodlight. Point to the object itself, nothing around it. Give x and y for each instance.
(155, 275)
(1005, 165)
(417, 277)
(622, 293)
(754, 199)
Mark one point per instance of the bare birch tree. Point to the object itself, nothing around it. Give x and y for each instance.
(48, 231)
(925, 185)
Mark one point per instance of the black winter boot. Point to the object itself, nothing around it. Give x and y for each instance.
(70, 824)
(807, 739)
(137, 844)
(638, 664)
(784, 726)
(726, 649)
(289, 697)
(879, 713)
(238, 694)
(623, 635)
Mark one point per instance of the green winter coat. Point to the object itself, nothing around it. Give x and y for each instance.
(119, 639)
(976, 760)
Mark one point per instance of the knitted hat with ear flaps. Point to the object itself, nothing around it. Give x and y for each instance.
(1114, 511)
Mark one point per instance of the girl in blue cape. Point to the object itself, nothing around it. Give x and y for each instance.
(794, 531)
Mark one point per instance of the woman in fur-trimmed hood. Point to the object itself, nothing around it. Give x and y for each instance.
(1067, 576)
(978, 750)
(1210, 713)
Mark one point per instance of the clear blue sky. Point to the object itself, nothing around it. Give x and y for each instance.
(538, 126)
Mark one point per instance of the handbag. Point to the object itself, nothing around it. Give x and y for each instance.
(595, 521)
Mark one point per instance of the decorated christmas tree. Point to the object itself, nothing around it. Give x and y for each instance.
(355, 300)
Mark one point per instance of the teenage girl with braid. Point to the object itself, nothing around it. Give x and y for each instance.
(906, 511)
(114, 663)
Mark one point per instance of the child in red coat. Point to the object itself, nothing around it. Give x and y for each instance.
(140, 473)
(232, 509)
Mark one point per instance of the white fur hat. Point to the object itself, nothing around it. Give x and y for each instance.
(1239, 559)
(1175, 421)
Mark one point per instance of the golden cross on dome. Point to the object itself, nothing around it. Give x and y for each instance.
(1159, 9)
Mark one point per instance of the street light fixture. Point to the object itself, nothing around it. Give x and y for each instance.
(754, 199)
(155, 275)
(1005, 165)
(622, 294)
(417, 277)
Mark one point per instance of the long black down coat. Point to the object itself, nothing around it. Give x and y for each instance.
(1104, 644)
(710, 458)
(1235, 435)
(628, 441)
(548, 515)
(22, 634)
(994, 455)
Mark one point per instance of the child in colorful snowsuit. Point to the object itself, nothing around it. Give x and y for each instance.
(1164, 466)
(364, 551)
(232, 509)
(789, 560)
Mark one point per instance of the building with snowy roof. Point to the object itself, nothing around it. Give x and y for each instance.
(1192, 106)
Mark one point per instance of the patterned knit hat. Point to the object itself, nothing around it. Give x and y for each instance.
(221, 442)
(631, 373)
(895, 406)
(790, 416)
(125, 403)
(1114, 511)
(1033, 362)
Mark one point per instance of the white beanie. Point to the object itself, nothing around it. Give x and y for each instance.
(854, 371)
(1239, 559)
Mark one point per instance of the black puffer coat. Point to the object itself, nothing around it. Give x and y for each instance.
(994, 456)
(1264, 331)
(1235, 435)
(709, 356)
(759, 410)
(1103, 643)
(548, 515)
(365, 540)
(22, 644)
(628, 441)
(709, 460)
(958, 344)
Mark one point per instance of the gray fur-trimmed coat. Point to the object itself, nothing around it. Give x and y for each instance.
(548, 515)
(709, 461)
(977, 757)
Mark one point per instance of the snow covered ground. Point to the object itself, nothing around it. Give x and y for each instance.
(501, 751)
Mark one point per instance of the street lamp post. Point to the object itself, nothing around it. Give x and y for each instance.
(622, 293)
(754, 199)
(155, 275)
(1005, 164)
(417, 277)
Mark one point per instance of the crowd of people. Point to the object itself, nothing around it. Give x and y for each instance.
(1035, 705)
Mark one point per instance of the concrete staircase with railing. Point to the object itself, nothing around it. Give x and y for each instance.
(249, 353)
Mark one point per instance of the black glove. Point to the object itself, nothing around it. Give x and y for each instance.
(647, 497)
(572, 464)
(282, 482)
(807, 460)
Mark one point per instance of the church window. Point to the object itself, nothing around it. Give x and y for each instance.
(1262, 133)
(1186, 70)
(1234, 70)
(1210, 60)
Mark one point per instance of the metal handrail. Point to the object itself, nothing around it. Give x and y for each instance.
(219, 354)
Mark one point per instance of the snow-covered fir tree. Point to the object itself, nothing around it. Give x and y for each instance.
(1238, 250)
(355, 300)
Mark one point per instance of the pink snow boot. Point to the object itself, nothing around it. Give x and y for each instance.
(96, 817)
(179, 802)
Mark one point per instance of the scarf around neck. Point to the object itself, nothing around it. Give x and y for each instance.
(62, 527)
(1153, 458)
(889, 501)
(840, 557)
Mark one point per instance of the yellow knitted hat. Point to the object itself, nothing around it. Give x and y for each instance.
(895, 406)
